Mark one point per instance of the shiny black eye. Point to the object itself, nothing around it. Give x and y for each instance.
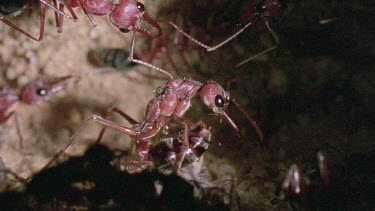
(123, 30)
(260, 8)
(41, 92)
(219, 101)
(140, 7)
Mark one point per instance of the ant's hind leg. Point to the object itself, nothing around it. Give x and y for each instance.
(95, 118)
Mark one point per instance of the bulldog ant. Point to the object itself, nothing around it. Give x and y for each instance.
(14, 8)
(127, 15)
(173, 43)
(172, 100)
(267, 9)
(297, 185)
(35, 92)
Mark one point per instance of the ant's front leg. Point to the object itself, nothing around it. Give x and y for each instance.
(123, 114)
(184, 149)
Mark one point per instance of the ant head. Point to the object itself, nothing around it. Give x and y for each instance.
(7, 98)
(42, 89)
(128, 15)
(217, 99)
(269, 9)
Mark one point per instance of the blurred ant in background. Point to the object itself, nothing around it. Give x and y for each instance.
(12, 8)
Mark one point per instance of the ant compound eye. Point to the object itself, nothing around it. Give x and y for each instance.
(123, 30)
(219, 101)
(41, 92)
(260, 8)
(140, 7)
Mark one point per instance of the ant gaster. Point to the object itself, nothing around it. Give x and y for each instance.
(172, 100)
(11, 8)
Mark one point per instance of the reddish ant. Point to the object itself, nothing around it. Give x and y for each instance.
(13, 8)
(35, 92)
(127, 15)
(167, 44)
(267, 9)
(172, 100)
(297, 185)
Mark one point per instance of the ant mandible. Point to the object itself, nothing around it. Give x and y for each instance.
(10, 8)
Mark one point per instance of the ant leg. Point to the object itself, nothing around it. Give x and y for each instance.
(18, 29)
(83, 6)
(131, 58)
(16, 120)
(185, 147)
(169, 58)
(95, 118)
(74, 18)
(42, 20)
(155, 49)
(119, 111)
(61, 19)
(17, 126)
(265, 51)
(42, 8)
(208, 48)
(56, 15)
(186, 63)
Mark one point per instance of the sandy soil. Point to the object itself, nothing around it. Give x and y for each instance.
(47, 126)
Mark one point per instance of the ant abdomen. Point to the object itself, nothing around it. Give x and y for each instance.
(13, 8)
(116, 58)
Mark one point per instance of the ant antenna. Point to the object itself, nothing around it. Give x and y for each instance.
(265, 51)
(251, 120)
(208, 48)
(131, 58)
